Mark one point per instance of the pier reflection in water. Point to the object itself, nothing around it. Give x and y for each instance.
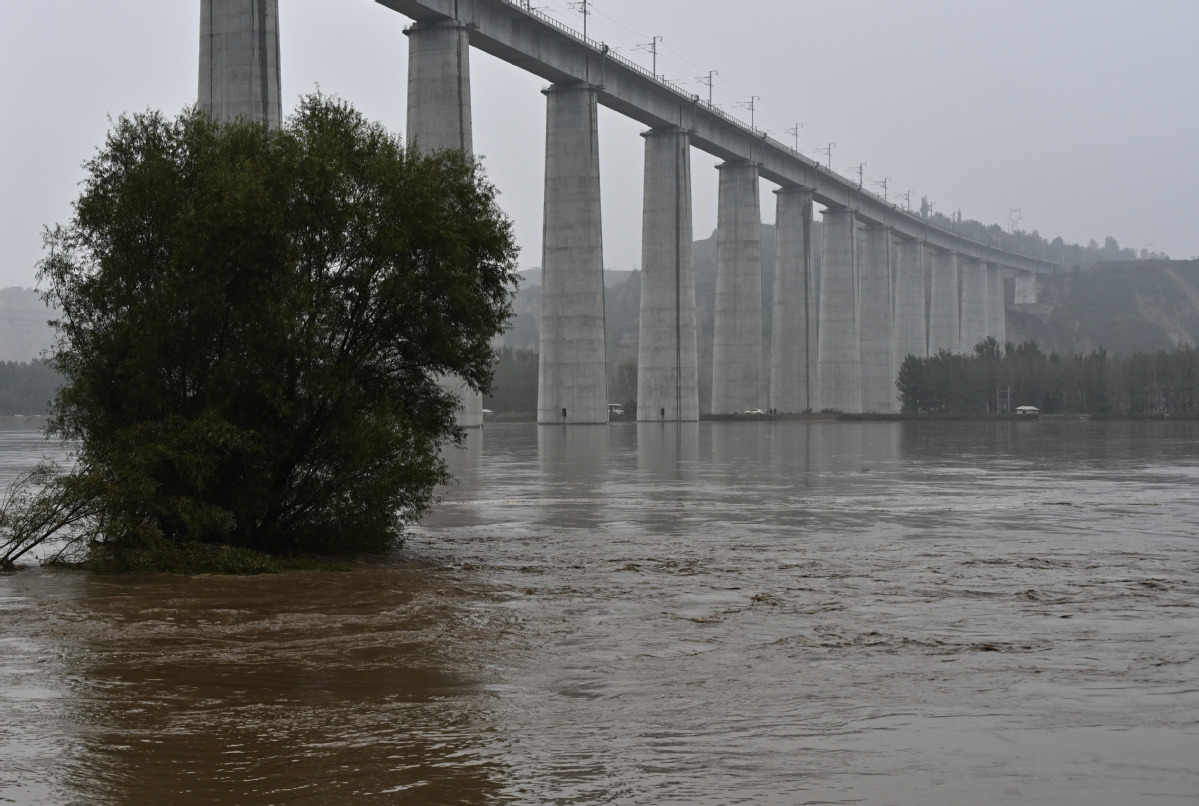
(767, 612)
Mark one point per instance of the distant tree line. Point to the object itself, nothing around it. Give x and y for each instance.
(994, 380)
(1035, 245)
(514, 384)
(26, 387)
(514, 381)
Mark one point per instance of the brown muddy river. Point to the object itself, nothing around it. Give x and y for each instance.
(765, 613)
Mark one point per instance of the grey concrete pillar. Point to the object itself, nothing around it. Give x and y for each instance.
(996, 304)
(572, 377)
(1026, 289)
(439, 118)
(439, 86)
(911, 331)
(943, 317)
(239, 60)
(737, 342)
(838, 363)
(793, 341)
(875, 329)
(667, 376)
(974, 302)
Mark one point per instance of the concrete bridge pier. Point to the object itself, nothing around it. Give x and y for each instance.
(572, 376)
(737, 357)
(838, 363)
(943, 315)
(996, 308)
(239, 60)
(1026, 289)
(439, 86)
(911, 331)
(439, 118)
(793, 339)
(974, 303)
(876, 336)
(667, 367)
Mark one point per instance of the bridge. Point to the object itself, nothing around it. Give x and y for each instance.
(890, 285)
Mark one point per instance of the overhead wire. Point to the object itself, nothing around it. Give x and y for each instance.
(688, 76)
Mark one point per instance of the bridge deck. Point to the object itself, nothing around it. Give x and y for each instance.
(542, 46)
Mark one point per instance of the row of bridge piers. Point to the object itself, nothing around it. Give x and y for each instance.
(836, 343)
(837, 339)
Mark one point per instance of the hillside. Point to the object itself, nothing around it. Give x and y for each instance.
(1124, 307)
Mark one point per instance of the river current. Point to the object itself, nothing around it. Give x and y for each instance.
(715, 613)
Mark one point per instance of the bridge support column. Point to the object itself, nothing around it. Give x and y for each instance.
(996, 304)
(439, 86)
(439, 118)
(911, 331)
(974, 303)
(943, 316)
(999, 302)
(876, 336)
(572, 376)
(667, 376)
(1026, 289)
(239, 60)
(793, 341)
(838, 364)
(737, 355)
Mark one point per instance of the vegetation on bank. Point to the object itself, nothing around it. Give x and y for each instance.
(27, 387)
(994, 380)
(253, 325)
(514, 384)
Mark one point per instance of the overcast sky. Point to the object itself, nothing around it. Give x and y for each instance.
(1080, 113)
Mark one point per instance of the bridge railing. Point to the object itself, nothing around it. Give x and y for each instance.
(607, 52)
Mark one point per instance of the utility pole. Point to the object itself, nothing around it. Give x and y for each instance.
(861, 171)
(582, 6)
(652, 47)
(708, 80)
(750, 106)
(795, 131)
(828, 152)
(907, 198)
(884, 184)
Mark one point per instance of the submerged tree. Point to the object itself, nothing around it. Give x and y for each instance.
(253, 322)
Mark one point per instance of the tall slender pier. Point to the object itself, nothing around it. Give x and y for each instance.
(239, 60)
(572, 377)
(667, 377)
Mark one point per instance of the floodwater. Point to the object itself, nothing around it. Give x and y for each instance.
(765, 613)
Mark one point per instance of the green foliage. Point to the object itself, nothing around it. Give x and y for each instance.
(253, 324)
(515, 384)
(622, 387)
(43, 503)
(189, 557)
(1098, 383)
(27, 388)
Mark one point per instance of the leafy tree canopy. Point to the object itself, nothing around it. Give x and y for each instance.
(253, 322)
